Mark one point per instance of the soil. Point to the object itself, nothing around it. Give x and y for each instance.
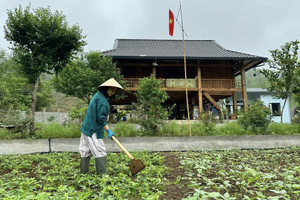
(178, 189)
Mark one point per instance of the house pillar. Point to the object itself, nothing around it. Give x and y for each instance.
(199, 88)
(154, 72)
(244, 91)
(234, 102)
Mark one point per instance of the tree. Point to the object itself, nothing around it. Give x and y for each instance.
(42, 42)
(148, 109)
(13, 90)
(282, 75)
(83, 75)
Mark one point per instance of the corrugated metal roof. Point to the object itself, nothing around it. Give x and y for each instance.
(195, 49)
(256, 90)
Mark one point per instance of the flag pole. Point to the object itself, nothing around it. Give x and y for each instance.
(185, 73)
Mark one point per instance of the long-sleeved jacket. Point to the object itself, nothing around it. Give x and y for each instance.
(96, 116)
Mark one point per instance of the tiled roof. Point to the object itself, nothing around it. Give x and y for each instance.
(168, 49)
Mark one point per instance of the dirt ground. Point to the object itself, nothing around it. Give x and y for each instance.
(178, 189)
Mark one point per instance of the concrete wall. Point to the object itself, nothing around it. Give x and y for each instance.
(47, 117)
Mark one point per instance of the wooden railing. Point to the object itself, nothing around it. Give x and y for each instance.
(220, 83)
(192, 83)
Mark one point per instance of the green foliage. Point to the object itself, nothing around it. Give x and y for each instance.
(283, 74)
(232, 128)
(78, 114)
(236, 174)
(124, 129)
(148, 109)
(41, 40)
(4, 133)
(283, 129)
(57, 176)
(171, 128)
(257, 118)
(54, 130)
(14, 90)
(83, 75)
(19, 123)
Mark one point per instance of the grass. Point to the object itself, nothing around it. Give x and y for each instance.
(54, 130)
(125, 129)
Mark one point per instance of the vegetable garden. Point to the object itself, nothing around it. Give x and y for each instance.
(229, 174)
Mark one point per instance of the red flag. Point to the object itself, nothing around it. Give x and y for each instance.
(171, 23)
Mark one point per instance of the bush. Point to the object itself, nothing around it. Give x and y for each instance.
(257, 118)
(124, 129)
(54, 130)
(19, 121)
(148, 109)
(283, 129)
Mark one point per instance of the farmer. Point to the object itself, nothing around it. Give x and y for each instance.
(93, 126)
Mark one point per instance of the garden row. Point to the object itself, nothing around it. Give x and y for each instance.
(230, 174)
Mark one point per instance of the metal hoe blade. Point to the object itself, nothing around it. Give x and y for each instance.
(136, 166)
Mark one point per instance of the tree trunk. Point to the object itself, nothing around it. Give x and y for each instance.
(283, 110)
(33, 105)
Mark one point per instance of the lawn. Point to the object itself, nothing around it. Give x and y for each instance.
(234, 174)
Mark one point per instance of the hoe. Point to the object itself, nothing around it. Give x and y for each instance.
(136, 165)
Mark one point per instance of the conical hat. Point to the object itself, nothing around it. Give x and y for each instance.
(111, 83)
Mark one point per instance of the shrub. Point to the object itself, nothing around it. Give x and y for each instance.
(54, 130)
(78, 113)
(283, 129)
(20, 122)
(124, 129)
(148, 109)
(257, 118)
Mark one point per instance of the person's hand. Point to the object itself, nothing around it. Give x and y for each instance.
(110, 134)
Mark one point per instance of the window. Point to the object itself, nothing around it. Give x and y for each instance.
(276, 109)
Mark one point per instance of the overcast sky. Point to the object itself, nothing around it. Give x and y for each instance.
(248, 26)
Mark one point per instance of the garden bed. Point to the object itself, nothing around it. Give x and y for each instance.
(230, 174)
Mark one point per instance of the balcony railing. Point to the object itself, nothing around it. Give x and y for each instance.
(191, 83)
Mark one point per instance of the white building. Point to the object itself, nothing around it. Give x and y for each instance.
(271, 102)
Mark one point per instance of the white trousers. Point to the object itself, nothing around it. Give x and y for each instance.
(91, 146)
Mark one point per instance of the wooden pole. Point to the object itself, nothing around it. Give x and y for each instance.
(199, 89)
(234, 103)
(185, 74)
(244, 91)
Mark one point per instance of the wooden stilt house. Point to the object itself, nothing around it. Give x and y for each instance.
(211, 70)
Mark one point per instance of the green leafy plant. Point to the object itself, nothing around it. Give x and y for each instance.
(236, 174)
(57, 176)
(148, 109)
(257, 118)
(18, 121)
(78, 114)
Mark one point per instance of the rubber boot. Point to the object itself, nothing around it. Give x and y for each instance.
(85, 165)
(101, 165)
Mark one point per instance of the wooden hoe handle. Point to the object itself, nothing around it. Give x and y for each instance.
(123, 148)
